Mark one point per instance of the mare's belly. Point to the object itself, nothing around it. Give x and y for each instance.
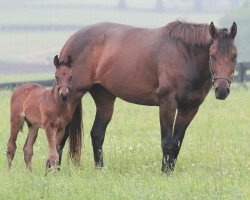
(133, 93)
(150, 100)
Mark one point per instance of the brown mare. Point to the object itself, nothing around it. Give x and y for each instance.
(172, 67)
(47, 109)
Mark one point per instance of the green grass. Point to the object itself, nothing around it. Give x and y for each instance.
(25, 77)
(213, 163)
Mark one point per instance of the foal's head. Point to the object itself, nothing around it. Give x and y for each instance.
(222, 62)
(63, 76)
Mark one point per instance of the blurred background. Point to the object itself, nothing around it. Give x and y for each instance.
(33, 31)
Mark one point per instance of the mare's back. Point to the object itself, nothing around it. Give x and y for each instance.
(110, 34)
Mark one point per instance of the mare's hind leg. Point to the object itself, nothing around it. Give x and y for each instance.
(16, 126)
(104, 101)
(28, 146)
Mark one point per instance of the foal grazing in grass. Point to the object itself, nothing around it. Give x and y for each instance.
(41, 108)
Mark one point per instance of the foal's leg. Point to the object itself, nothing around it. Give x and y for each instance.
(183, 119)
(51, 137)
(28, 146)
(16, 126)
(61, 138)
(167, 115)
(104, 101)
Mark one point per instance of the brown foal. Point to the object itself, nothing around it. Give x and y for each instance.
(40, 108)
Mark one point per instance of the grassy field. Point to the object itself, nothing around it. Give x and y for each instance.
(213, 163)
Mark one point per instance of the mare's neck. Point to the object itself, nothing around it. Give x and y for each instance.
(201, 60)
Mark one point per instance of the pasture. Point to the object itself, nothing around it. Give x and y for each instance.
(213, 163)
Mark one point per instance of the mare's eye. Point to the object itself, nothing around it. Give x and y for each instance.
(234, 58)
(56, 77)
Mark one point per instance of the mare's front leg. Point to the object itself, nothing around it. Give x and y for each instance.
(183, 119)
(53, 159)
(167, 115)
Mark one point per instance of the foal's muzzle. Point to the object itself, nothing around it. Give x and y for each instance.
(63, 91)
(64, 97)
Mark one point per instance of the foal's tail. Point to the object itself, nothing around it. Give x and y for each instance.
(75, 135)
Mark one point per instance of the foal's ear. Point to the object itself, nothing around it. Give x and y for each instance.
(69, 61)
(56, 61)
(233, 30)
(212, 30)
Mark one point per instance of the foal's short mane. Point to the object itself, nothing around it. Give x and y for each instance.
(190, 33)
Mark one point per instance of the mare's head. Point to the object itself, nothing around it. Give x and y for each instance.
(63, 76)
(222, 61)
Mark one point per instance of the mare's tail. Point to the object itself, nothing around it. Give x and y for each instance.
(75, 135)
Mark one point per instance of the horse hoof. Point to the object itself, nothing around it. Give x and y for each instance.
(29, 169)
(9, 163)
(52, 170)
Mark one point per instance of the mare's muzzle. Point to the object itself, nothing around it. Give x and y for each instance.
(221, 93)
(222, 89)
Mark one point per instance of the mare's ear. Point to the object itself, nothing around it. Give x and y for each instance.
(212, 30)
(233, 30)
(69, 61)
(56, 61)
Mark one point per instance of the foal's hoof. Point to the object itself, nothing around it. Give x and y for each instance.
(47, 165)
(9, 161)
(51, 169)
(29, 169)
